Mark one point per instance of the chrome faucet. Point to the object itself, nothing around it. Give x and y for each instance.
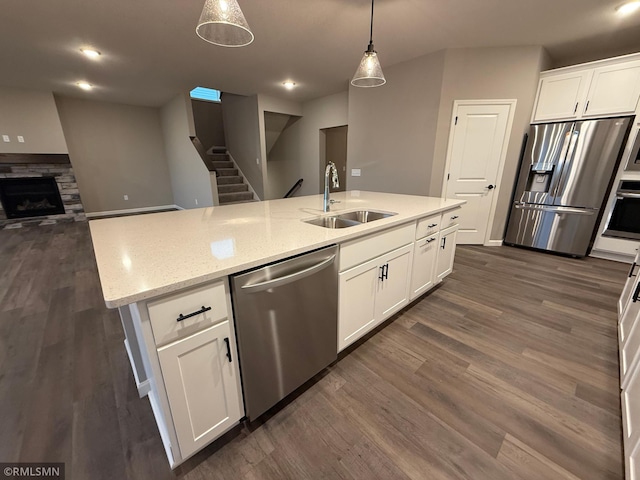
(331, 169)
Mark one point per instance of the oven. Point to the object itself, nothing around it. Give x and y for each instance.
(633, 164)
(624, 221)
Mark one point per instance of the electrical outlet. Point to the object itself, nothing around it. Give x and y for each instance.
(5, 138)
(257, 161)
(196, 201)
(126, 197)
(20, 139)
(356, 172)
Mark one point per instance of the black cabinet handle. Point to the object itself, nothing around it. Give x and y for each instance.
(429, 240)
(386, 271)
(636, 293)
(193, 314)
(575, 109)
(491, 187)
(226, 340)
(631, 274)
(381, 277)
(444, 242)
(432, 225)
(587, 107)
(454, 217)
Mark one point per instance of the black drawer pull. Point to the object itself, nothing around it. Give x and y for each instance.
(429, 240)
(633, 267)
(454, 217)
(432, 225)
(226, 340)
(189, 315)
(636, 293)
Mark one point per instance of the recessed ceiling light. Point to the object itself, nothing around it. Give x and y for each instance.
(289, 85)
(628, 7)
(89, 52)
(84, 85)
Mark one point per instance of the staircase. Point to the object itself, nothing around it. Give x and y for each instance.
(231, 186)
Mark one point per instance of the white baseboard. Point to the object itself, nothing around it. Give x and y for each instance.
(131, 211)
(143, 387)
(616, 257)
(493, 243)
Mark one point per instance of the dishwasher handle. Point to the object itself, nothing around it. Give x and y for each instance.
(292, 277)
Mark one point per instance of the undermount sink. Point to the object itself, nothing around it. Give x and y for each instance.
(349, 219)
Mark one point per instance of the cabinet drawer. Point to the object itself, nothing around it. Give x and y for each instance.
(450, 218)
(164, 313)
(428, 226)
(358, 251)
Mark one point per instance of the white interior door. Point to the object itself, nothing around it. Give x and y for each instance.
(477, 146)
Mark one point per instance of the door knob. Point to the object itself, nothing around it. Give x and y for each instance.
(491, 187)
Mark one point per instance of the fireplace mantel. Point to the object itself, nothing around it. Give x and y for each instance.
(38, 158)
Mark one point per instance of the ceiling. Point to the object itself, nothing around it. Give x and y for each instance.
(150, 51)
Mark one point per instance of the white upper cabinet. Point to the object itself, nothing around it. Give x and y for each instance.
(599, 89)
(614, 90)
(559, 96)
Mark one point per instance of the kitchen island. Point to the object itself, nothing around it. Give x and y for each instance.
(167, 273)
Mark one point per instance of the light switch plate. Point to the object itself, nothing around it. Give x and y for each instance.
(20, 139)
(5, 138)
(356, 172)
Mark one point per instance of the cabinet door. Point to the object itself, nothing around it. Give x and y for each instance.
(559, 96)
(202, 386)
(628, 288)
(446, 253)
(630, 347)
(393, 290)
(356, 302)
(424, 262)
(631, 424)
(631, 311)
(614, 90)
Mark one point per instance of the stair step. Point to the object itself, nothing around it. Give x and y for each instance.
(227, 172)
(216, 164)
(234, 197)
(219, 157)
(219, 150)
(229, 180)
(232, 188)
(239, 201)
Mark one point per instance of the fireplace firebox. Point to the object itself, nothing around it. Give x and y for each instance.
(30, 197)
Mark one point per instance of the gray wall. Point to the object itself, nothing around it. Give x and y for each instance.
(283, 160)
(34, 116)
(489, 73)
(190, 180)
(242, 137)
(392, 128)
(116, 150)
(207, 118)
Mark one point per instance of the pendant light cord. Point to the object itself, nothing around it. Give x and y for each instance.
(371, 30)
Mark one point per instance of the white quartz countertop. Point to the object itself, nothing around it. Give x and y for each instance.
(144, 256)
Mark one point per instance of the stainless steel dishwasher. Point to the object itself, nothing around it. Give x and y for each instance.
(286, 317)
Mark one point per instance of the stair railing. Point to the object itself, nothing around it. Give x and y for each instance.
(294, 189)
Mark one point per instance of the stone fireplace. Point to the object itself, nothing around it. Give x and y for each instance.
(38, 189)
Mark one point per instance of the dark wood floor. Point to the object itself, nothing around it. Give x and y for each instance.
(509, 370)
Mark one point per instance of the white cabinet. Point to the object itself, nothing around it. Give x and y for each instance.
(201, 379)
(446, 252)
(632, 278)
(424, 261)
(371, 292)
(559, 96)
(614, 90)
(597, 89)
(631, 424)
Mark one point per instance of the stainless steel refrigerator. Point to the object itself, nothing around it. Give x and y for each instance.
(565, 173)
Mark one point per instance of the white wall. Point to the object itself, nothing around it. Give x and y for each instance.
(489, 73)
(243, 137)
(297, 151)
(190, 180)
(392, 128)
(34, 116)
(116, 150)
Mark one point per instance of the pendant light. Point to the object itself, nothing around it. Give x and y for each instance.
(369, 73)
(222, 23)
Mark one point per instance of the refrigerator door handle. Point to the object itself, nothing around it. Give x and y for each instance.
(558, 210)
(621, 195)
(567, 151)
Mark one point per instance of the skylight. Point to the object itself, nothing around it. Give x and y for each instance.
(208, 94)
